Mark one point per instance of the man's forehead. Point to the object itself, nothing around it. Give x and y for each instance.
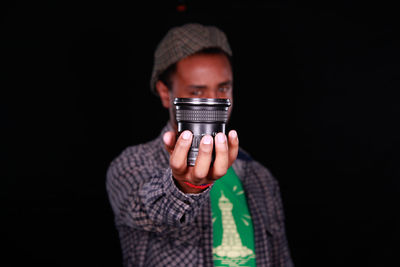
(199, 63)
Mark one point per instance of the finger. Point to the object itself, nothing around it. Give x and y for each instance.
(233, 144)
(221, 163)
(178, 159)
(169, 139)
(203, 161)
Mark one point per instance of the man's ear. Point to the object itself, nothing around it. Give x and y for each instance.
(163, 92)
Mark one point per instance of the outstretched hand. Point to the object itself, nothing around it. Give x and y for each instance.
(226, 150)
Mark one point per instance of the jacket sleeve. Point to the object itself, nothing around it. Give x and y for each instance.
(146, 201)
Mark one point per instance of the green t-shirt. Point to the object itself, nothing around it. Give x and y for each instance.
(233, 234)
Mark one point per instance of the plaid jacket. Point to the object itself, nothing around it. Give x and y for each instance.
(159, 225)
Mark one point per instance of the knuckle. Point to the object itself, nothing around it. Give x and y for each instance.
(221, 160)
(218, 174)
(233, 155)
(197, 180)
(205, 151)
(181, 144)
(221, 147)
(200, 173)
(206, 148)
(176, 165)
(220, 171)
(221, 139)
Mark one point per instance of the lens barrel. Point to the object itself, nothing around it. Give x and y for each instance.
(201, 116)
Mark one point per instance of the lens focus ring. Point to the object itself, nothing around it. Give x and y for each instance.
(201, 115)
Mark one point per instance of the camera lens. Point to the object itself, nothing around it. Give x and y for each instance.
(201, 116)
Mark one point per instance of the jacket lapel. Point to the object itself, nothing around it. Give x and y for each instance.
(256, 203)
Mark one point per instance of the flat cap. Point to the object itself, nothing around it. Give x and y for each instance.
(181, 42)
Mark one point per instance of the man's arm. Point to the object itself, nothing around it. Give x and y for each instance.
(151, 204)
(162, 201)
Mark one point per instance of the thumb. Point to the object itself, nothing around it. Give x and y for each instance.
(169, 139)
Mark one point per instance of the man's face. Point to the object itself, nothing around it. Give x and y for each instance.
(200, 76)
(203, 76)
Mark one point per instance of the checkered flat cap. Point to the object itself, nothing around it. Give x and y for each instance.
(183, 41)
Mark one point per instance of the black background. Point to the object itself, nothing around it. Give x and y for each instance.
(315, 101)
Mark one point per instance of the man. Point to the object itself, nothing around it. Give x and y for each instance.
(228, 213)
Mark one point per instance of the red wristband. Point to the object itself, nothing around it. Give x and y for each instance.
(203, 186)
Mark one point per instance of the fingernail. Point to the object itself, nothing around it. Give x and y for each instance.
(221, 138)
(186, 135)
(233, 134)
(207, 140)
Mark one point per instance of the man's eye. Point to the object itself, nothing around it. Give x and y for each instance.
(196, 92)
(224, 89)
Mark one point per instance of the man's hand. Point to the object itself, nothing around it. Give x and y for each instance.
(226, 150)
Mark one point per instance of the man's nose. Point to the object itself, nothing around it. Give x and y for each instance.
(211, 94)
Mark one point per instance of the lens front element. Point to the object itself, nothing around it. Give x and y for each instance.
(201, 116)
